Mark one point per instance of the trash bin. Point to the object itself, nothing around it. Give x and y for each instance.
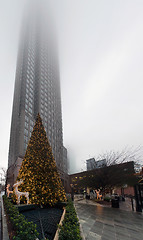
(87, 196)
(115, 203)
(123, 198)
(117, 197)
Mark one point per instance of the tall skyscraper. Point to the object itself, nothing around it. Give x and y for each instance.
(37, 89)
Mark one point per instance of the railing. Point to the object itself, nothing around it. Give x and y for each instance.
(78, 197)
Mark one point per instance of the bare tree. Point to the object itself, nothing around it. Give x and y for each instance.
(118, 171)
(2, 177)
(126, 155)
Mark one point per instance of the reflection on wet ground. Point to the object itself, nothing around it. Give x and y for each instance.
(105, 223)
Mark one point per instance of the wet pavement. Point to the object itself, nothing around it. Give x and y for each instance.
(106, 223)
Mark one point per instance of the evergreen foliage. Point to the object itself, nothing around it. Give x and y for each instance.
(24, 230)
(70, 229)
(38, 170)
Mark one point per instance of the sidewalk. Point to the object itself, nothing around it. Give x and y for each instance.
(0, 220)
(127, 205)
(4, 230)
(124, 205)
(106, 223)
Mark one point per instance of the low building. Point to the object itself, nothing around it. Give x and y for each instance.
(114, 176)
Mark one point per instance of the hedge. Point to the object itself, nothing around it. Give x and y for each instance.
(70, 226)
(24, 230)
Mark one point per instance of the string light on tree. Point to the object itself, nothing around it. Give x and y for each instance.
(38, 170)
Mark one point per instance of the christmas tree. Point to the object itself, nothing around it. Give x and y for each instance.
(38, 170)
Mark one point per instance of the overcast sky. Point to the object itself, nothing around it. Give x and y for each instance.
(101, 58)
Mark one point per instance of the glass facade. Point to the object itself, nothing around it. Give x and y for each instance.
(37, 90)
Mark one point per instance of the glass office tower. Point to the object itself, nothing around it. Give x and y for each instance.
(37, 89)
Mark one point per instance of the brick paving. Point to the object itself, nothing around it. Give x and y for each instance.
(106, 223)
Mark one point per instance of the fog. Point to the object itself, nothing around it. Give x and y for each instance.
(100, 57)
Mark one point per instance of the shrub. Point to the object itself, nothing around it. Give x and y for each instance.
(70, 228)
(107, 199)
(24, 230)
(98, 200)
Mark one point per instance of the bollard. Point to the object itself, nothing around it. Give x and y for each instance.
(132, 204)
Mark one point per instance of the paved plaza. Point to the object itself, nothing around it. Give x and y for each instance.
(106, 223)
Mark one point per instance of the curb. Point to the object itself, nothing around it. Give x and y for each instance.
(5, 235)
(57, 232)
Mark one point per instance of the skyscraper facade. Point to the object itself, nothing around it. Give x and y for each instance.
(90, 164)
(37, 89)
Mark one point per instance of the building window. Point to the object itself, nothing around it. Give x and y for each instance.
(26, 124)
(30, 105)
(31, 90)
(25, 139)
(26, 101)
(26, 118)
(30, 99)
(26, 106)
(31, 129)
(32, 123)
(30, 110)
(31, 95)
(26, 132)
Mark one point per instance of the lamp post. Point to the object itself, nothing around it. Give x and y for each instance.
(72, 191)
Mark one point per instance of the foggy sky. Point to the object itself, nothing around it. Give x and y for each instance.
(101, 58)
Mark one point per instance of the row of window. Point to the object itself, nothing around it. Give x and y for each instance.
(27, 120)
(29, 90)
(30, 79)
(25, 138)
(25, 132)
(29, 96)
(30, 68)
(50, 101)
(28, 108)
(31, 52)
(46, 84)
(25, 146)
(30, 72)
(31, 61)
(29, 85)
(27, 125)
(30, 103)
(30, 76)
(28, 112)
(47, 92)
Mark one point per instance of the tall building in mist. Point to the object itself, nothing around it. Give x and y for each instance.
(37, 89)
(90, 164)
